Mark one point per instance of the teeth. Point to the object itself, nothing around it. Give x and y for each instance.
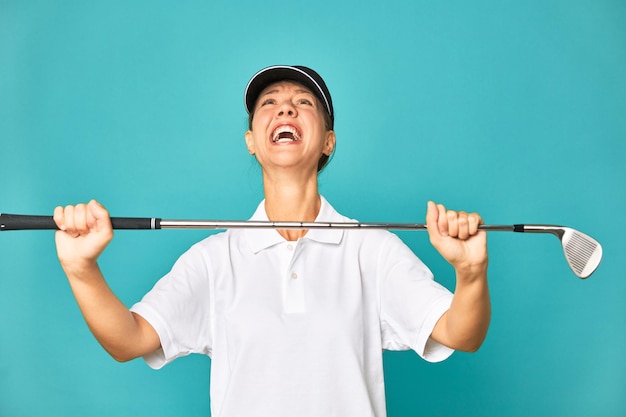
(285, 133)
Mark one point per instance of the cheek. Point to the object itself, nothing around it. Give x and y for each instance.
(259, 123)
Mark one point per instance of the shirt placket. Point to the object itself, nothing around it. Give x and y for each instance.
(293, 280)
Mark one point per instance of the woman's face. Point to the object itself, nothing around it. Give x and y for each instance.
(288, 128)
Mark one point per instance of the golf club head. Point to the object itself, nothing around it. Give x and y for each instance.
(583, 253)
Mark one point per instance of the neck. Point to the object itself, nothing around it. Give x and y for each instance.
(289, 198)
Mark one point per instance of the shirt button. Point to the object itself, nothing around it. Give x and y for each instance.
(290, 246)
(294, 275)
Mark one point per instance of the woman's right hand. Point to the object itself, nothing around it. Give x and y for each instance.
(84, 232)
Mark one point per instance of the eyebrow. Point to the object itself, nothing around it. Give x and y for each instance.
(299, 91)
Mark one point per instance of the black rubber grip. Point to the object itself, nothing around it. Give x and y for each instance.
(27, 222)
(518, 228)
(22, 222)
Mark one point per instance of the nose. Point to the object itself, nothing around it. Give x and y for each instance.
(287, 108)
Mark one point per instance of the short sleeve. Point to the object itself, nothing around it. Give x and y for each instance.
(411, 302)
(179, 309)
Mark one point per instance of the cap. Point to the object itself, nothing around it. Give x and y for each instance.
(300, 74)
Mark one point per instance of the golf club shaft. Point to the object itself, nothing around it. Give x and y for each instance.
(251, 224)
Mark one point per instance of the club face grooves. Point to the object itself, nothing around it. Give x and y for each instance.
(583, 253)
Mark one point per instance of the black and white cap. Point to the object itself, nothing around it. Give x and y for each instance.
(300, 74)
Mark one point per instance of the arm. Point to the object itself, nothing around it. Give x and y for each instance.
(457, 238)
(85, 231)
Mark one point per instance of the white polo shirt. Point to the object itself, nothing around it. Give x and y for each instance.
(296, 328)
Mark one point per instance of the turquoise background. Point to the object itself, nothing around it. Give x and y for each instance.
(513, 109)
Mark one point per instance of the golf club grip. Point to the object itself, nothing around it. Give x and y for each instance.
(27, 222)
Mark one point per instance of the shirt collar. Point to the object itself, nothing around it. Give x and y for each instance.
(260, 239)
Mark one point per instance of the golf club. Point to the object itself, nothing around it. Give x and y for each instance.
(582, 252)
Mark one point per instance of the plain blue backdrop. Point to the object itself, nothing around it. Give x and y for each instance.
(513, 109)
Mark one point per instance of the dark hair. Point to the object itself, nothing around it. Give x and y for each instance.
(328, 125)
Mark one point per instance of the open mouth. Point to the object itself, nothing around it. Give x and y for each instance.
(285, 134)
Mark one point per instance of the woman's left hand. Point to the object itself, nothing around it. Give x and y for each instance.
(457, 238)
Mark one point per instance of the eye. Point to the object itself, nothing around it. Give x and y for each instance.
(268, 101)
(305, 101)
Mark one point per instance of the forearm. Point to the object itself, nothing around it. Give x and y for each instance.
(121, 333)
(466, 322)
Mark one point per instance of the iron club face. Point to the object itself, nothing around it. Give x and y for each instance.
(582, 252)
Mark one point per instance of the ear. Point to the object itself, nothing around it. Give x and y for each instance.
(249, 142)
(329, 143)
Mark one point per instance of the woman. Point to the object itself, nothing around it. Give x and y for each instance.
(295, 321)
